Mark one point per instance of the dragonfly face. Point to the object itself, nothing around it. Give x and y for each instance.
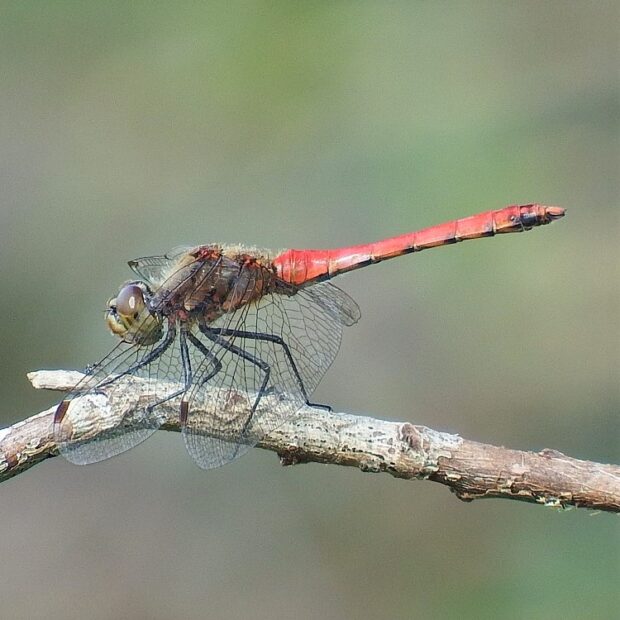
(129, 316)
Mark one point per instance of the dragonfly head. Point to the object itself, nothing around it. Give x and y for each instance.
(130, 318)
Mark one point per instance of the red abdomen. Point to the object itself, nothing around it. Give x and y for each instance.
(305, 266)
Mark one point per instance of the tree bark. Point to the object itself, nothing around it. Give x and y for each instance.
(470, 469)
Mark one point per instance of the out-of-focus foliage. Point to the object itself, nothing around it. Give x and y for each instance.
(130, 128)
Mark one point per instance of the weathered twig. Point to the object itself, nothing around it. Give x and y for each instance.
(472, 470)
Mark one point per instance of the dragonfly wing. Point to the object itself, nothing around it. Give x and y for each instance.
(95, 422)
(154, 269)
(335, 301)
(262, 363)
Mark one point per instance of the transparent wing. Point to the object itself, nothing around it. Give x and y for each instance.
(263, 362)
(153, 269)
(90, 425)
(236, 379)
(335, 302)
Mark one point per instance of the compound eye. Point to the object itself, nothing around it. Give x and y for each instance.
(130, 301)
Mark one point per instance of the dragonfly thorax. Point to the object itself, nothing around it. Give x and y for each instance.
(206, 284)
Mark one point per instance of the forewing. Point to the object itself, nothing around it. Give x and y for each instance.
(271, 356)
(154, 269)
(91, 425)
(95, 422)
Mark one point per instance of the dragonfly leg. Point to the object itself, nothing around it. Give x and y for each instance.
(187, 373)
(147, 359)
(215, 335)
(217, 366)
(287, 351)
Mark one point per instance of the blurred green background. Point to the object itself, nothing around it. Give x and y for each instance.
(127, 129)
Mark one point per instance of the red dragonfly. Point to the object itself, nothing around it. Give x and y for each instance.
(238, 327)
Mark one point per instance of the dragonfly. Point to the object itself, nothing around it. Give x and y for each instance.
(249, 331)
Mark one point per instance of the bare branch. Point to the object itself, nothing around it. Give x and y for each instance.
(471, 470)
